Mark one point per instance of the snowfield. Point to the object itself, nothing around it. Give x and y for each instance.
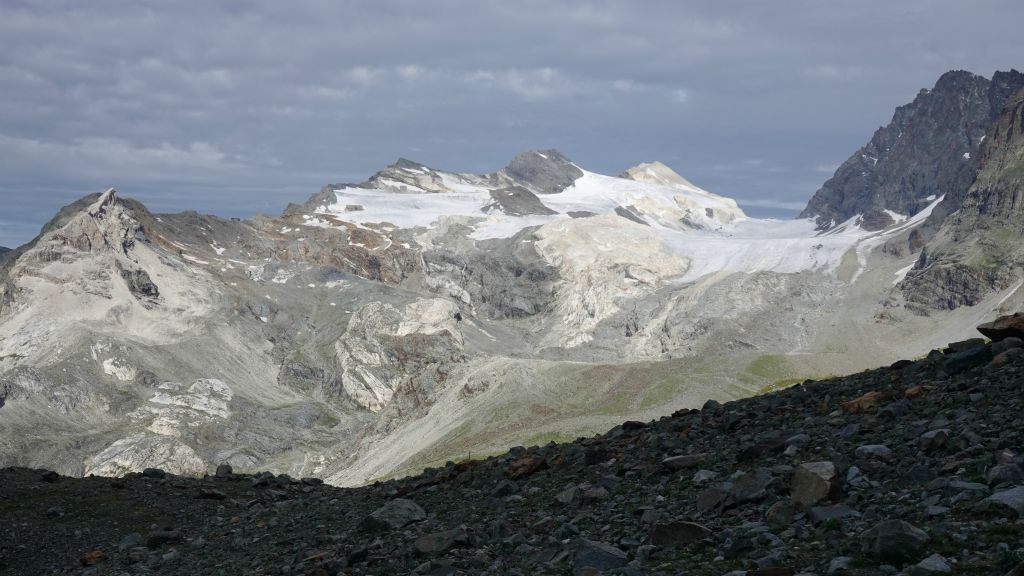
(710, 231)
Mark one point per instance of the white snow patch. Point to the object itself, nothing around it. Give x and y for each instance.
(282, 276)
(194, 259)
(902, 273)
(119, 369)
(710, 231)
(896, 216)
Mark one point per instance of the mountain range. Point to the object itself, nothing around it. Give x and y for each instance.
(425, 315)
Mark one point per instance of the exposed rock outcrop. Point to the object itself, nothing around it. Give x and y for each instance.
(543, 171)
(980, 247)
(928, 150)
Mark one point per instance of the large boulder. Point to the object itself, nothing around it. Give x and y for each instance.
(1009, 503)
(814, 482)
(1011, 326)
(894, 541)
(395, 514)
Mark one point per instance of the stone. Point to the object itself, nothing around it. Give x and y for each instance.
(869, 451)
(894, 541)
(525, 466)
(703, 476)
(678, 534)
(934, 564)
(130, 541)
(568, 495)
(839, 565)
(684, 461)
(968, 486)
(772, 571)
(209, 494)
(819, 514)
(224, 470)
(397, 513)
(814, 482)
(160, 538)
(864, 403)
(750, 486)
(971, 358)
(93, 558)
(599, 556)
(595, 493)
(1009, 503)
(934, 439)
(440, 542)
(1011, 326)
(963, 345)
(49, 477)
(1005, 474)
(1011, 343)
(153, 473)
(1008, 356)
(780, 514)
(710, 499)
(919, 474)
(505, 488)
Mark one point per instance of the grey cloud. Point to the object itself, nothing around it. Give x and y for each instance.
(242, 107)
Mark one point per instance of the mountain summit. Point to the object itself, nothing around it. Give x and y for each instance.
(928, 150)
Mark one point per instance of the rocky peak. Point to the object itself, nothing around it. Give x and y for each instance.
(656, 173)
(541, 171)
(979, 248)
(925, 152)
(96, 234)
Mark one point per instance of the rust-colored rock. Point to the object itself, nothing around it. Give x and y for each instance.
(1004, 327)
(93, 558)
(864, 403)
(915, 392)
(525, 466)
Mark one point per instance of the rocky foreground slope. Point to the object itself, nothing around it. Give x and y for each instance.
(914, 469)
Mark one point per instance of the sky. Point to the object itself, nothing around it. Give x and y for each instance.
(235, 108)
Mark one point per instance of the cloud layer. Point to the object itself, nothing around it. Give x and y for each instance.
(236, 108)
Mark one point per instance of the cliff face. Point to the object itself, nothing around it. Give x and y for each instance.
(928, 150)
(980, 247)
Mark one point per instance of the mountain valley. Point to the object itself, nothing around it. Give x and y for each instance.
(423, 315)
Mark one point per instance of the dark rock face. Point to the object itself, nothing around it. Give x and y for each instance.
(139, 283)
(926, 151)
(544, 171)
(517, 201)
(980, 247)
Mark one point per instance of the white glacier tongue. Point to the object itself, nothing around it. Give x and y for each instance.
(711, 232)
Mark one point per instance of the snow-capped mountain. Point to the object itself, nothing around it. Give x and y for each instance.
(392, 324)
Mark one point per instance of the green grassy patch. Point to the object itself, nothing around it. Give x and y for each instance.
(327, 420)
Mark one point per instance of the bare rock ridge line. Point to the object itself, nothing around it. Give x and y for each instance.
(913, 468)
(978, 248)
(930, 149)
(391, 325)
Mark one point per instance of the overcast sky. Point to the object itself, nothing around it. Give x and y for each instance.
(240, 107)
